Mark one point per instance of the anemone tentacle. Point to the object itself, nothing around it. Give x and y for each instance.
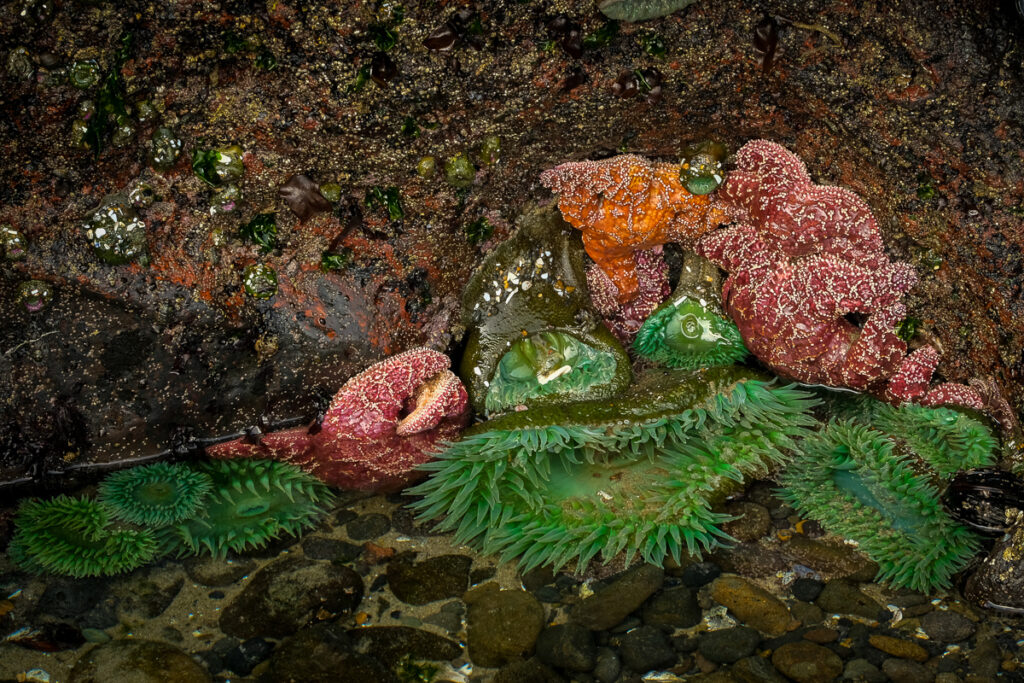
(155, 495)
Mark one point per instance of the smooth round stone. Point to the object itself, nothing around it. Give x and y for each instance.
(862, 670)
(806, 662)
(898, 647)
(752, 605)
(436, 578)
(645, 648)
(807, 590)
(607, 665)
(906, 671)
(321, 548)
(842, 597)
(675, 608)
(610, 605)
(214, 572)
(947, 626)
(368, 527)
(567, 646)
(138, 661)
(728, 645)
(501, 625)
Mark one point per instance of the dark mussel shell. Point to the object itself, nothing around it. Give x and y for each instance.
(987, 500)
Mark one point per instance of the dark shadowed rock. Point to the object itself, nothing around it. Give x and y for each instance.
(138, 661)
(613, 603)
(501, 625)
(287, 594)
(436, 578)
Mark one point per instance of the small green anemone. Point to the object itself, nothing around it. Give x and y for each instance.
(690, 330)
(637, 474)
(155, 495)
(852, 479)
(946, 440)
(532, 288)
(75, 537)
(547, 363)
(251, 503)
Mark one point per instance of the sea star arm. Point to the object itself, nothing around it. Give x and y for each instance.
(371, 403)
(877, 352)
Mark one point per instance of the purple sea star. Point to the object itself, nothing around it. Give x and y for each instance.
(624, 320)
(381, 424)
(802, 258)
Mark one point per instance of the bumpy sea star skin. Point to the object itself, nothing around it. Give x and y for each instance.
(624, 320)
(802, 258)
(381, 424)
(626, 204)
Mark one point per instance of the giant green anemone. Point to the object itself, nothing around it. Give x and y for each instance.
(690, 330)
(251, 503)
(859, 485)
(946, 440)
(75, 537)
(534, 338)
(637, 474)
(155, 495)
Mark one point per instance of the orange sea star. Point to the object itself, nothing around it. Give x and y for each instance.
(625, 204)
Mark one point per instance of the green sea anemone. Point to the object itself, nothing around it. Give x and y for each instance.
(690, 330)
(547, 363)
(945, 440)
(527, 306)
(637, 474)
(853, 480)
(155, 495)
(75, 537)
(701, 170)
(251, 503)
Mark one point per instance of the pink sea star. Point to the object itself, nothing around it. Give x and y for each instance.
(802, 258)
(381, 424)
(624, 320)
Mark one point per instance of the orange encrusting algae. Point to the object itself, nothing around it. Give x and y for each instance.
(625, 204)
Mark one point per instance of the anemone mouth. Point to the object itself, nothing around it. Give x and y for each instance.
(637, 476)
(857, 484)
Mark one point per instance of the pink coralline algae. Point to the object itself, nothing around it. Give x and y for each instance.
(381, 424)
(624, 320)
(803, 257)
